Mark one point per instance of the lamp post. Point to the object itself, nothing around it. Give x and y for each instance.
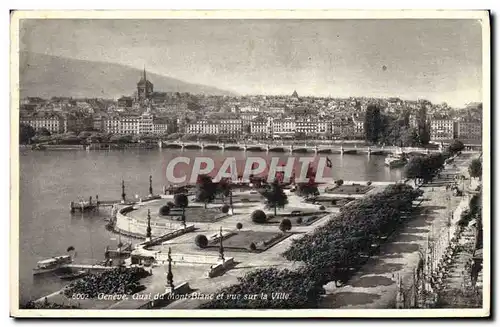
(148, 229)
(150, 185)
(170, 276)
(221, 246)
(123, 191)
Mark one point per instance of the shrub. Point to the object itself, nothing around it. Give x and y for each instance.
(322, 208)
(369, 183)
(357, 190)
(201, 241)
(170, 204)
(181, 200)
(225, 208)
(252, 246)
(299, 220)
(285, 225)
(259, 217)
(339, 182)
(239, 226)
(164, 210)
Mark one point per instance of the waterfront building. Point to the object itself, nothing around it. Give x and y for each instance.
(283, 126)
(359, 126)
(233, 127)
(469, 130)
(260, 127)
(161, 125)
(307, 126)
(443, 129)
(112, 124)
(146, 123)
(203, 127)
(54, 123)
(129, 124)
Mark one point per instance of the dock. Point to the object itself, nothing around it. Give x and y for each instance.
(86, 206)
(77, 266)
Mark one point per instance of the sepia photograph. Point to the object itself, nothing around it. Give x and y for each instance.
(311, 163)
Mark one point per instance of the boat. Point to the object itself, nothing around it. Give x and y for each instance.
(396, 160)
(51, 264)
(74, 275)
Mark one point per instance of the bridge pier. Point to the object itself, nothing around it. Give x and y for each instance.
(223, 146)
(202, 146)
(160, 144)
(290, 148)
(267, 148)
(315, 149)
(182, 146)
(369, 151)
(342, 150)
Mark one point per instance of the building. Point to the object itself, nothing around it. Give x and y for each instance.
(469, 130)
(285, 126)
(54, 123)
(307, 126)
(443, 129)
(129, 124)
(146, 123)
(260, 127)
(233, 127)
(359, 127)
(161, 125)
(125, 102)
(144, 88)
(203, 127)
(112, 124)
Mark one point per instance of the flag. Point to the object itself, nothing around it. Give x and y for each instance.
(328, 162)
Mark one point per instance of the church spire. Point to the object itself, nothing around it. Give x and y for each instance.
(144, 74)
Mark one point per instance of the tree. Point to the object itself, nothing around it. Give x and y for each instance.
(339, 182)
(414, 169)
(285, 225)
(275, 196)
(409, 137)
(225, 208)
(201, 241)
(259, 217)
(26, 132)
(223, 188)
(455, 147)
(372, 123)
(164, 210)
(307, 189)
(476, 168)
(239, 226)
(422, 125)
(205, 189)
(181, 200)
(43, 132)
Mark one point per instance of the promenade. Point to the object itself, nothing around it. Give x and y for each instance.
(375, 286)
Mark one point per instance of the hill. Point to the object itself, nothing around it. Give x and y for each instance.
(47, 76)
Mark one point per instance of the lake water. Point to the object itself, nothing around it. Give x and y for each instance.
(50, 180)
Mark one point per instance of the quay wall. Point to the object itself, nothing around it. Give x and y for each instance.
(128, 224)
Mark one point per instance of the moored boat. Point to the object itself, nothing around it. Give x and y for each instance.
(396, 160)
(51, 264)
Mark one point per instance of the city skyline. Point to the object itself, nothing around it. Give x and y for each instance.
(438, 60)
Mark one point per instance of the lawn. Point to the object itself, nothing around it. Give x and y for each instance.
(196, 214)
(240, 241)
(305, 219)
(349, 189)
(333, 202)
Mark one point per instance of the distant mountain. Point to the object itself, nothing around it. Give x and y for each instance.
(47, 76)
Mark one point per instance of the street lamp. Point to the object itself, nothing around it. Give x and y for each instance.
(221, 246)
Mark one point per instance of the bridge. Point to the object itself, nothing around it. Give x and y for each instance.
(294, 148)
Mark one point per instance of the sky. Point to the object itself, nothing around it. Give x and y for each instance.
(438, 60)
